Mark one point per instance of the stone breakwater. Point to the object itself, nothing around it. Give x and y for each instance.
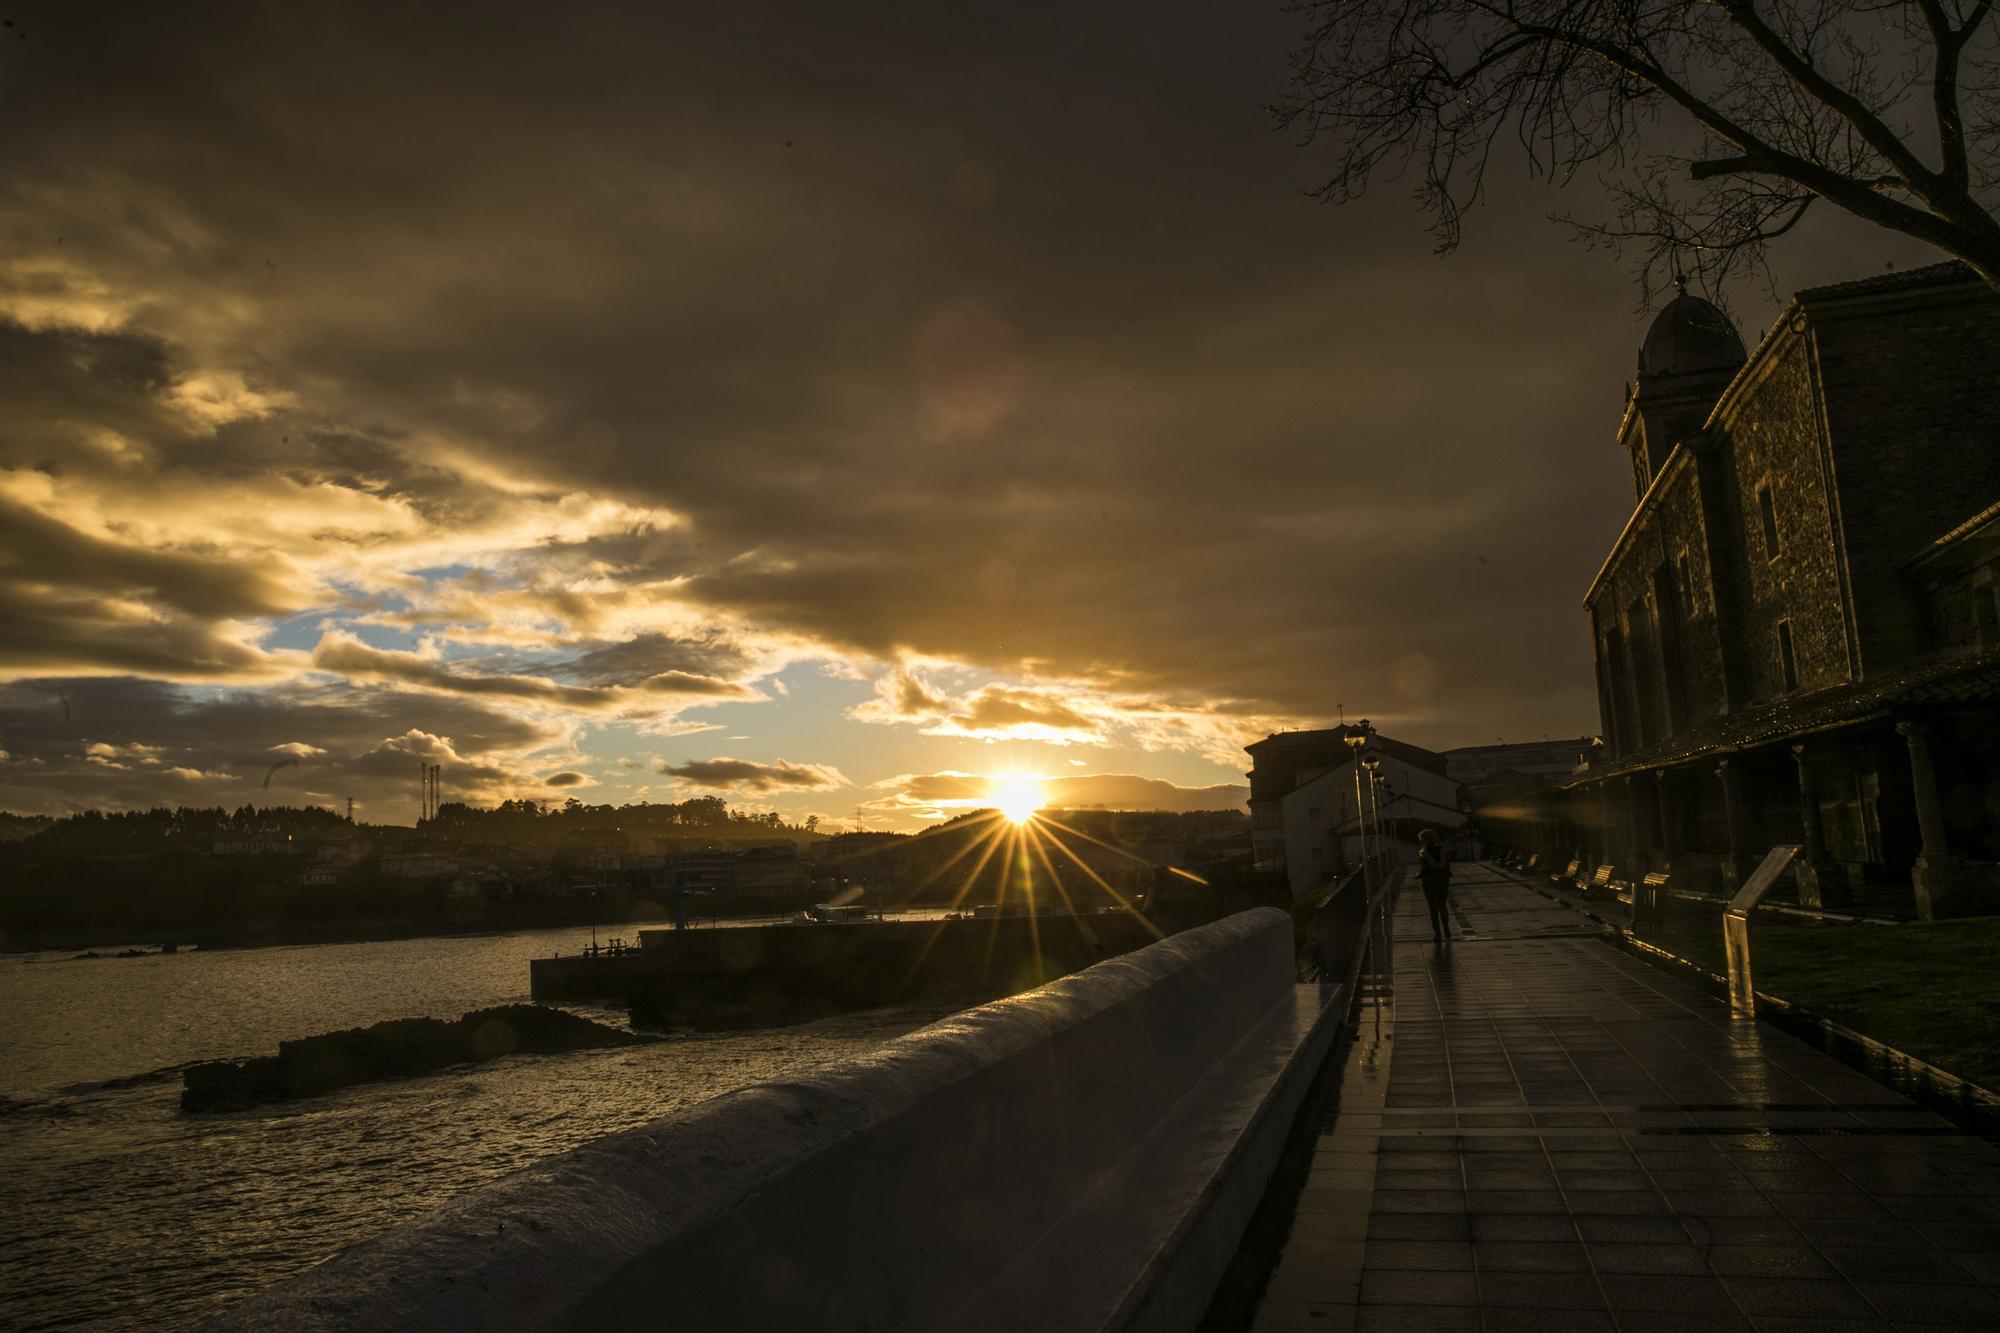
(401, 1048)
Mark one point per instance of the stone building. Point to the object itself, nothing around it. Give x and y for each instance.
(1303, 800)
(1796, 634)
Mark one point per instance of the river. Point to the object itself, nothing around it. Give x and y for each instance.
(128, 1214)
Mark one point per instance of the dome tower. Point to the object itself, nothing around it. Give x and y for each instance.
(1691, 353)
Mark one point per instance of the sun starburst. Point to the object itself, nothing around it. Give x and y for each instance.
(1016, 798)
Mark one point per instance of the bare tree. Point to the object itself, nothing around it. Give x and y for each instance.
(1715, 124)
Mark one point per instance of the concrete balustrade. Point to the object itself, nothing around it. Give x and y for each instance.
(1083, 1156)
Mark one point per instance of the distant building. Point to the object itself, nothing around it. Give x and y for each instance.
(1303, 803)
(1797, 638)
(773, 871)
(419, 865)
(283, 846)
(319, 876)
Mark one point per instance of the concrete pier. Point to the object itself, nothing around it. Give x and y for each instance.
(757, 975)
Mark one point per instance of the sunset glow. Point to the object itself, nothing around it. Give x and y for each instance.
(1017, 798)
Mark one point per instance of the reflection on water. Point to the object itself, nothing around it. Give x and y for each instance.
(128, 1214)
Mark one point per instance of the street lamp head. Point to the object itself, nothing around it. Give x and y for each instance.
(1372, 764)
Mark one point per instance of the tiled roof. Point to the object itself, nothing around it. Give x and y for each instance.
(1952, 270)
(1969, 678)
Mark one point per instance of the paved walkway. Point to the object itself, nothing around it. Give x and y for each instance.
(1536, 1131)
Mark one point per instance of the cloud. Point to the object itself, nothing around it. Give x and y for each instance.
(344, 654)
(744, 775)
(123, 738)
(569, 778)
(516, 346)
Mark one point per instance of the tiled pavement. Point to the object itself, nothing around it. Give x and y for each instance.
(1536, 1131)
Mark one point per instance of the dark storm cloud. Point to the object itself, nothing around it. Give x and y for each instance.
(136, 743)
(956, 331)
(645, 656)
(744, 775)
(348, 656)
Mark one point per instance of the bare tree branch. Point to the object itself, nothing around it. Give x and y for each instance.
(1715, 123)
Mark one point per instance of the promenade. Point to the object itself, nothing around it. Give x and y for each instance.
(1536, 1131)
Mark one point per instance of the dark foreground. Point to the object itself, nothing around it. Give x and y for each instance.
(1536, 1131)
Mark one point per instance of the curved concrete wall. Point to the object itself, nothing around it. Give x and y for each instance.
(878, 1195)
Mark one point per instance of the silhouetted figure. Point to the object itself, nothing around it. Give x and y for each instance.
(1434, 873)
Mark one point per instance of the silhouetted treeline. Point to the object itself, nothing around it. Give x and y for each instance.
(533, 823)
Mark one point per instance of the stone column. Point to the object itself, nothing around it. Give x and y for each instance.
(1606, 828)
(1663, 811)
(1640, 856)
(1732, 867)
(1822, 882)
(1938, 877)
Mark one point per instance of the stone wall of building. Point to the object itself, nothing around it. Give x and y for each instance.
(1664, 671)
(1914, 421)
(1767, 434)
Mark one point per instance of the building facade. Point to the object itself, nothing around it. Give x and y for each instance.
(1796, 634)
(1303, 800)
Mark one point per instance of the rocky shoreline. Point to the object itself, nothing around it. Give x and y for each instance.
(400, 1048)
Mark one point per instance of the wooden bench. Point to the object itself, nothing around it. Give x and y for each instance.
(1650, 899)
(1600, 881)
(1571, 872)
(1532, 862)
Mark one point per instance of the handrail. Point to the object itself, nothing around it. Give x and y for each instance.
(1736, 924)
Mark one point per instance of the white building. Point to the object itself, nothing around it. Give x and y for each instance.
(1302, 802)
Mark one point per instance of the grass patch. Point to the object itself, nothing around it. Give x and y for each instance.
(1927, 988)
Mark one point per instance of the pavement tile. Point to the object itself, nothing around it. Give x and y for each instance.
(1882, 1265)
(1418, 1201)
(1531, 1257)
(1655, 1260)
(1639, 1321)
(1808, 1298)
(1419, 1226)
(1446, 1255)
(1919, 1302)
(1529, 1320)
(1416, 1319)
(1724, 1204)
(1675, 1294)
(1545, 1291)
(1388, 1286)
(1545, 1227)
(1796, 1261)
(1427, 1178)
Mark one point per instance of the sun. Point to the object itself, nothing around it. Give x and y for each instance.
(1016, 798)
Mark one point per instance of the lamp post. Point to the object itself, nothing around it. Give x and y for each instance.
(1354, 742)
(1373, 763)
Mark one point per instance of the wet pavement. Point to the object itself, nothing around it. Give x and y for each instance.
(1537, 1131)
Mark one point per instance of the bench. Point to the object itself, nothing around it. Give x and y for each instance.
(1572, 872)
(1650, 899)
(1532, 862)
(1599, 882)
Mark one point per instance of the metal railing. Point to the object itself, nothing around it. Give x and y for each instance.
(1736, 924)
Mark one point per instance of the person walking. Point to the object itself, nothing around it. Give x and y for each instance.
(1434, 873)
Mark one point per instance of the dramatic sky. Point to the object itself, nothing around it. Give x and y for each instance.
(822, 405)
